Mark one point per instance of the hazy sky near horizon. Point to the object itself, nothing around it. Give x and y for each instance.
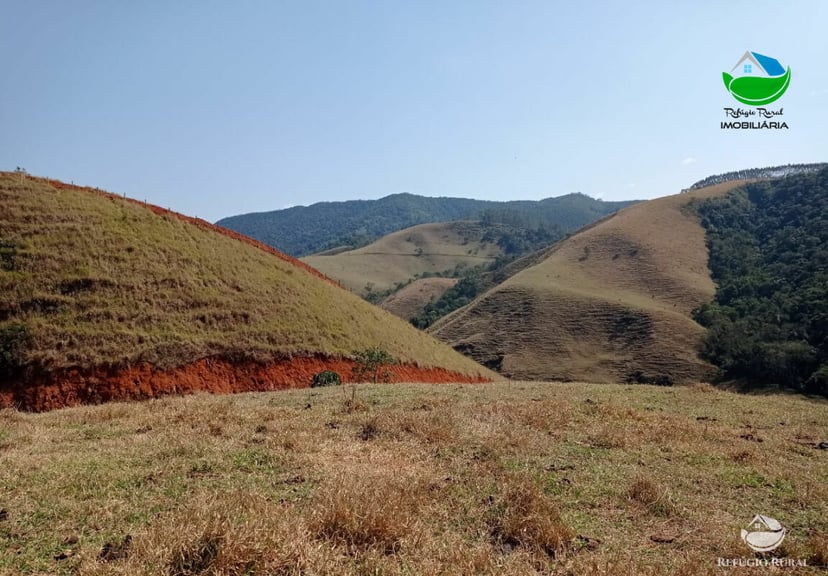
(220, 108)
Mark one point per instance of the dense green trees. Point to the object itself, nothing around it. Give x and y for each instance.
(759, 174)
(455, 297)
(768, 246)
(304, 230)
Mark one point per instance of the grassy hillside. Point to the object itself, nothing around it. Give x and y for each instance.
(611, 303)
(304, 230)
(413, 298)
(401, 256)
(90, 280)
(520, 478)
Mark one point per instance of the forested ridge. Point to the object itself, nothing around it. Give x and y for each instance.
(759, 174)
(304, 230)
(768, 245)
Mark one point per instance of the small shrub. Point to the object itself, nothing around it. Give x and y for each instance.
(373, 363)
(13, 342)
(326, 378)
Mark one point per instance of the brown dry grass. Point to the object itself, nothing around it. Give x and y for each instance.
(99, 281)
(818, 546)
(474, 479)
(400, 256)
(367, 512)
(610, 300)
(524, 516)
(412, 299)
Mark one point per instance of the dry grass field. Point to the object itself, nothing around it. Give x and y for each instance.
(400, 256)
(612, 300)
(507, 478)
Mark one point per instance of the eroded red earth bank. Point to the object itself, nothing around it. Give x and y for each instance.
(75, 387)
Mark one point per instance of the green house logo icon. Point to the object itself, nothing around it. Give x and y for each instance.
(757, 80)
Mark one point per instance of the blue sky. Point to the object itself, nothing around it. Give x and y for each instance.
(220, 108)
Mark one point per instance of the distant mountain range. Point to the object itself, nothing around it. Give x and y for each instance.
(304, 230)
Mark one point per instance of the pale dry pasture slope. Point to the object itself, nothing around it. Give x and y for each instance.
(505, 478)
(400, 256)
(613, 302)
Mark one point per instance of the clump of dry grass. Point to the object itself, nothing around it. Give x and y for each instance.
(199, 556)
(743, 456)
(433, 428)
(703, 387)
(633, 566)
(366, 512)
(526, 517)
(818, 548)
(233, 534)
(644, 491)
(609, 436)
(369, 430)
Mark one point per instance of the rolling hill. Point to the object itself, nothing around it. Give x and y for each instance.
(106, 298)
(305, 230)
(413, 298)
(401, 256)
(610, 303)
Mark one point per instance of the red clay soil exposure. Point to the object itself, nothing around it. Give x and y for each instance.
(74, 387)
